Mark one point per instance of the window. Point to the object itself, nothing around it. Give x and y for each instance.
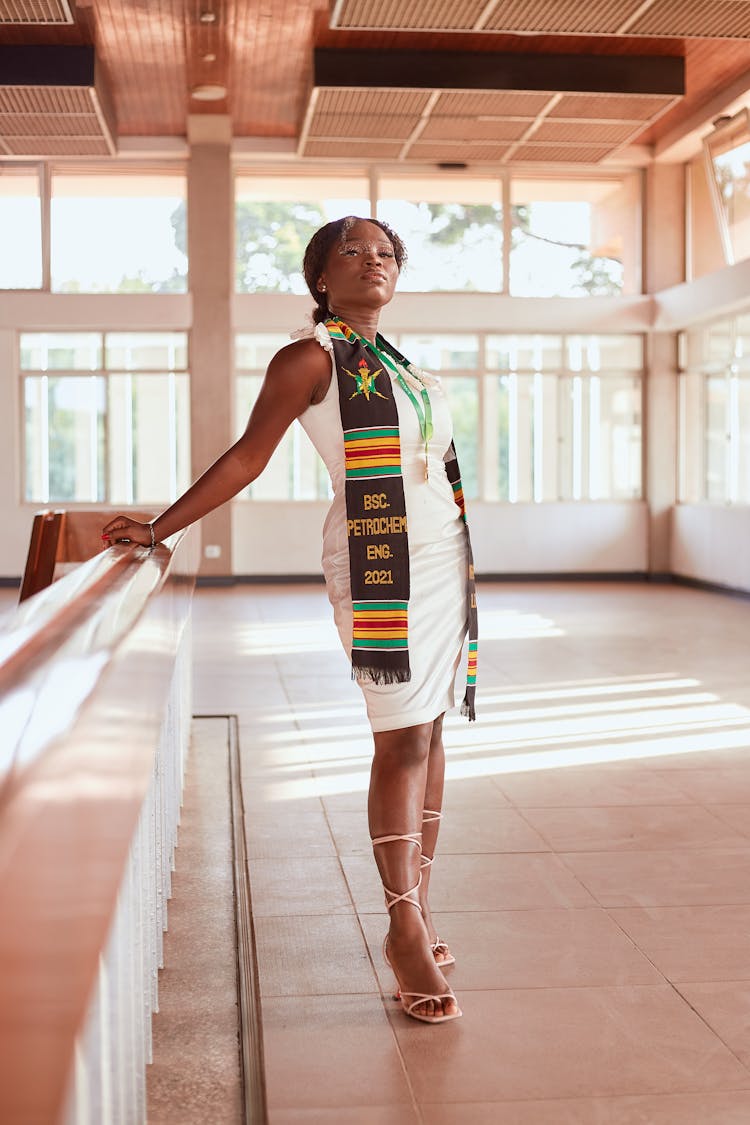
(566, 418)
(455, 357)
(295, 471)
(275, 218)
(452, 228)
(714, 421)
(727, 152)
(123, 233)
(106, 417)
(20, 229)
(574, 238)
(535, 417)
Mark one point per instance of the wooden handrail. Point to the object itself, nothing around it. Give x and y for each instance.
(62, 536)
(85, 672)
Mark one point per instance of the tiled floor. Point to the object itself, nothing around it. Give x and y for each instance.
(593, 875)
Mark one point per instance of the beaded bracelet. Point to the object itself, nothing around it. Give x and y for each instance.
(153, 539)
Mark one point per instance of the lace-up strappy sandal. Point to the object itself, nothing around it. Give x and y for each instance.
(438, 947)
(410, 1001)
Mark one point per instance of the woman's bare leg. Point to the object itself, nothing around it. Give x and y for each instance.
(398, 783)
(433, 801)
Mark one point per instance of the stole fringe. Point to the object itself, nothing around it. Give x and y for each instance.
(381, 676)
(467, 709)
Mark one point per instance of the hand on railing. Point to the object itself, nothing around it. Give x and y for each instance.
(122, 527)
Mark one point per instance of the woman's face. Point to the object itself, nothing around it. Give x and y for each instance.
(360, 269)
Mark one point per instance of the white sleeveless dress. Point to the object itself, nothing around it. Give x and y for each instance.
(437, 557)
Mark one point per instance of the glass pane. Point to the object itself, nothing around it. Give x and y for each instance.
(572, 448)
(450, 246)
(254, 351)
(728, 152)
(64, 438)
(524, 353)
(155, 351)
(20, 231)
(574, 238)
(497, 406)
(743, 431)
(61, 351)
(149, 437)
(600, 353)
(462, 393)
(295, 471)
(119, 233)
(614, 438)
(275, 218)
(716, 414)
(441, 353)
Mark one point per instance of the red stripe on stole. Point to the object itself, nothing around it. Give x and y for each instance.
(374, 626)
(373, 451)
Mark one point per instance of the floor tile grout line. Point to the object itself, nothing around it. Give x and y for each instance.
(705, 1021)
(402, 1060)
(399, 1052)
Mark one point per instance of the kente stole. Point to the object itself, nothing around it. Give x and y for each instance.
(376, 516)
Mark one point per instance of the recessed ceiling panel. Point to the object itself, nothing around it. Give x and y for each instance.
(473, 129)
(408, 15)
(585, 132)
(427, 151)
(561, 154)
(53, 103)
(55, 146)
(562, 17)
(725, 19)
(617, 107)
(37, 12)
(370, 100)
(490, 103)
(342, 150)
(361, 125)
(652, 18)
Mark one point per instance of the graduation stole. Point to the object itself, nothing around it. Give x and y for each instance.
(376, 521)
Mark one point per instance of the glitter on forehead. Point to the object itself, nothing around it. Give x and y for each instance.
(387, 237)
(351, 221)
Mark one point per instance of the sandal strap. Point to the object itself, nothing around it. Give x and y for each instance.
(421, 997)
(392, 897)
(429, 816)
(410, 837)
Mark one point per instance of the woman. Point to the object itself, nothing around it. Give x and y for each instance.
(396, 559)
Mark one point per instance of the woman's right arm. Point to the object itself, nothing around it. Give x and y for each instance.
(297, 375)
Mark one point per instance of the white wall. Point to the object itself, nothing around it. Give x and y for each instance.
(712, 543)
(599, 537)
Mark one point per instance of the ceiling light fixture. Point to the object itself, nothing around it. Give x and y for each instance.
(208, 93)
(207, 17)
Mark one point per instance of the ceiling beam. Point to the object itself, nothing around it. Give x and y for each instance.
(475, 70)
(46, 65)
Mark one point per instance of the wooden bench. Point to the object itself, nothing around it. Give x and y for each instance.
(60, 538)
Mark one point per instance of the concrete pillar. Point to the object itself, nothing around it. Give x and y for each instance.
(664, 265)
(211, 254)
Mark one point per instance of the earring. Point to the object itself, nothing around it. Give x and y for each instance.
(322, 288)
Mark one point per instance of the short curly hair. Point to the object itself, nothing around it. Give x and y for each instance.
(320, 245)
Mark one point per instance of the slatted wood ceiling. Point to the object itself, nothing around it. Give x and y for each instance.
(152, 54)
